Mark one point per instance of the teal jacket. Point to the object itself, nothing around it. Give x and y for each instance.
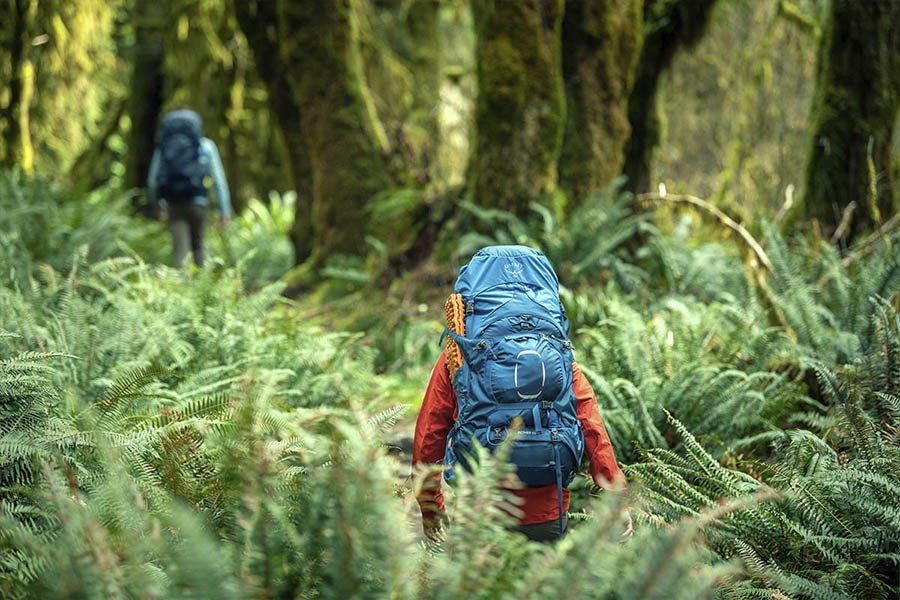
(209, 154)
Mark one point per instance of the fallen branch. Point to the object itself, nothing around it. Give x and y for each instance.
(720, 216)
(885, 234)
(846, 219)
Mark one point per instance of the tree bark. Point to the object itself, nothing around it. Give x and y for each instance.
(600, 44)
(520, 110)
(258, 20)
(670, 25)
(90, 170)
(17, 136)
(422, 25)
(343, 139)
(146, 99)
(854, 112)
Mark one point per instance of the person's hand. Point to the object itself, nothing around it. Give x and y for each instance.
(434, 529)
(162, 213)
(224, 220)
(629, 527)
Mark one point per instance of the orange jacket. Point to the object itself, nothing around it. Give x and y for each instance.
(539, 504)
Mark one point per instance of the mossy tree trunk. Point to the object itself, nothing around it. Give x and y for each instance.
(422, 25)
(854, 113)
(258, 20)
(17, 133)
(600, 44)
(343, 138)
(520, 110)
(146, 93)
(669, 26)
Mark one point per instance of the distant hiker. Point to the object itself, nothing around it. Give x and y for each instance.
(509, 357)
(182, 160)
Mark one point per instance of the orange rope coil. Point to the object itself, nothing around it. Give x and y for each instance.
(456, 322)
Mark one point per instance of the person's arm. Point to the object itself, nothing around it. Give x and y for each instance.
(430, 442)
(217, 171)
(604, 468)
(152, 174)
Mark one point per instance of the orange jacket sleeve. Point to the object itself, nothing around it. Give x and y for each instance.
(433, 425)
(604, 468)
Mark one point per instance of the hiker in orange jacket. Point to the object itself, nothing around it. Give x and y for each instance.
(540, 520)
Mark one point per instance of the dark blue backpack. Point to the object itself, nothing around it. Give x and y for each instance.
(516, 363)
(181, 170)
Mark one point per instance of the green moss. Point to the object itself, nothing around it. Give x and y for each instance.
(425, 63)
(601, 40)
(320, 54)
(520, 110)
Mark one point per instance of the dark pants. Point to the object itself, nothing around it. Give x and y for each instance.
(548, 531)
(187, 223)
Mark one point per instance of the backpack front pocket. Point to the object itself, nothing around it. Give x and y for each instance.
(525, 368)
(535, 459)
(534, 452)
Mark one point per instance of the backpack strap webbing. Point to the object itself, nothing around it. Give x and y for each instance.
(559, 486)
(456, 322)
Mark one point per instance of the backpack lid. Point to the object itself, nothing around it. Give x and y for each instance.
(497, 265)
(182, 120)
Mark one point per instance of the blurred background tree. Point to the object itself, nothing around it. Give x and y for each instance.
(669, 26)
(854, 112)
(601, 42)
(151, 21)
(520, 111)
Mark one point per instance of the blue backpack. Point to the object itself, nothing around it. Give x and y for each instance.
(516, 363)
(181, 168)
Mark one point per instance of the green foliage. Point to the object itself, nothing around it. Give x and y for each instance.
(256, 243)
(709, 364)
(42, 222)
(827, 306)
(586, 246)
(835, 512)
(193, 433)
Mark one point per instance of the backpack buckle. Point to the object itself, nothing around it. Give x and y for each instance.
(554, 436)
(470, 308)
(497, 435)
(546, 404)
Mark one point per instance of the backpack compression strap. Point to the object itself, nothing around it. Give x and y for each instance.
(559, 482)
(456, 322)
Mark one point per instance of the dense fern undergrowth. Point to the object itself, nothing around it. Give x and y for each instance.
(171, 434)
